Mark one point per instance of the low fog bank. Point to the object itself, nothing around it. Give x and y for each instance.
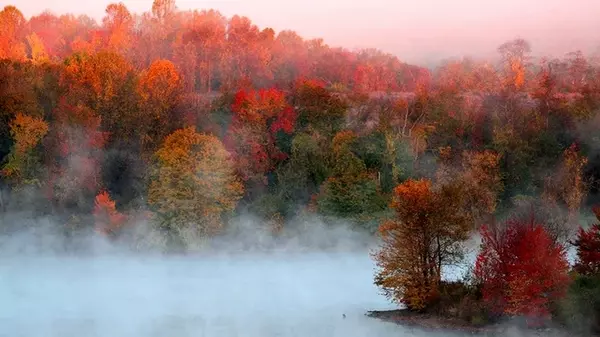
(247, 282)
(24, 236)
(251, 295)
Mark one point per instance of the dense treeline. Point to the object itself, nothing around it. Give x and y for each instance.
(86, 106)
(183, 119)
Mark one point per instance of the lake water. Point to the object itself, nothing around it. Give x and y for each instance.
(253, 294)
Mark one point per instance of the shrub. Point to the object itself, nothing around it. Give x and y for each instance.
(580, 309)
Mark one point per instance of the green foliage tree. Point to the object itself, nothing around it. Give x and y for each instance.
(350, 191)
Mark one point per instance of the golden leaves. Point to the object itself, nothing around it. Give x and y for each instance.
(194, 181)
(567, 184)
(37, 48)
(429, 222)
(104, 73)
(160, 86)
(27, 131)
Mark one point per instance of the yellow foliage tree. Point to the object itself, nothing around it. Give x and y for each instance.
(194, 183)
(567, 185)
(37, 48)
(26, 132)
(478, 174)
(481, 174)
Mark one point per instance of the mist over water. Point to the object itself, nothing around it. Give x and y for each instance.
(257, 294)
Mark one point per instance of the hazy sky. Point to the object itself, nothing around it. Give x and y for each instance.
(415, 30)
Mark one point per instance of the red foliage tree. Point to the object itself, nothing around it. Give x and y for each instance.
(521, 269)
(257, 117)
(588, 248)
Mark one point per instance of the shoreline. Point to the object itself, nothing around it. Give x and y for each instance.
(440, 324)
(428, 322)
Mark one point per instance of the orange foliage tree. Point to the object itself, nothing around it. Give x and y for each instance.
(424, 236)
(160, 89)
(12, 30)
(521, 269)
(119, 24)
(107, 219)
(94, 79)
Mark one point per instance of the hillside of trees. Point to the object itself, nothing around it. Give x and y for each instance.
(186, 119)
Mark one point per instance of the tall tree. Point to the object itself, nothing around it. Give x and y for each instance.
(160, 88)
(425, 235)
(47, 29)
(163, 9)
(118, 22)
(247, 58)
(204, 38)
(36, 48)
(515, 56)
(100, 82)
(290, 58)
(18, 95)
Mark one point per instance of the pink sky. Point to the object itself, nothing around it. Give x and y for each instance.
(416, 31)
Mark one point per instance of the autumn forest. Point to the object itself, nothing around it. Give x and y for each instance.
(184, 120)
